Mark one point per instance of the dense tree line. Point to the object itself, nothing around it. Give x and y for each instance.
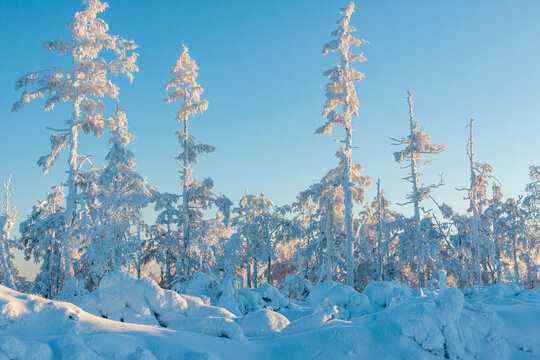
(93, 223)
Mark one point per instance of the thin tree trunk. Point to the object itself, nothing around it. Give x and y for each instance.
(379, 232)
(417, 233)
(255, 273)
(248, 272)
(348, 206)
(185, 195)
(516, 267)
(329, 245)
(473, 204)
(269, 274)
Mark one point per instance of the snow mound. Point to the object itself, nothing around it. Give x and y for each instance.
(385, 293)
(122, 297)
(237, 301)
(349, 302)
(263, 323)
(311, 322)
(141, 354)
(201, 285)
(264, 297)
(446, 325)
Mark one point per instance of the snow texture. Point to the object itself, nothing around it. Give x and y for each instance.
(135, 319)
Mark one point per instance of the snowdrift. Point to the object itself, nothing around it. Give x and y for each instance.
(129, 318)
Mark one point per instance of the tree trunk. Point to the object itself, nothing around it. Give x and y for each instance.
(329, 245)
(248, 273)
(255, 274)
(185, 195)
(269, 270)
(348, 206)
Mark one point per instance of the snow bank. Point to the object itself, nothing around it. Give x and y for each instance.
(122, 297)
(447, 325)
(477, 323)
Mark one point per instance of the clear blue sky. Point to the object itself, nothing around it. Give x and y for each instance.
(261, 67)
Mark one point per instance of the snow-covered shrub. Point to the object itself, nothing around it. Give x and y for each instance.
(227, 297)
(385, 293)
(141, 354)
(295, 287)
(122, 297)
(265, 296)
(215, 292)
(311, 322)
(201, 284)
(348, 301)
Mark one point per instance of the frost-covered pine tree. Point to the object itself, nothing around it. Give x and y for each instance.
(378, 231)
(417, 144)
(306, 218)
(186, 89)
(326, 252)
(207, 244)
(312, 251)
(493, 213)
(516, 244)
(341, 106)
(41, 234)
(83, 86)
(7, 220)
(115, 205)
(530, 206)
(165, 236)
(248, 224)
(277, 230)
(478, 200)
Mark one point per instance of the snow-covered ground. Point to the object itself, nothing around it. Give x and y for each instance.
(129, 318)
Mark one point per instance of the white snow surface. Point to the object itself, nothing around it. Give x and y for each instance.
(129, 318)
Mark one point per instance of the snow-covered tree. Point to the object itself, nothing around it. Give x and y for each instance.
(278, 231)
(41, 234)
(478, 200)
(195, 195)
(310, 254)
(530, 206)
(325, 253)
(84, 86)
(377, 231)
(7, 220)
(417, 144)
(340, 108)
(516, 246)
(493, 215)
(231, 260)
(164, 234)
(115, 203)
(326, 229)
(249, 228)
(207, 244)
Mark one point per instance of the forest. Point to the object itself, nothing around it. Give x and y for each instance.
(94, 226)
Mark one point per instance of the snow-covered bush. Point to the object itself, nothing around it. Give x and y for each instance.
(385, 293)
(349, 302)
(122, 297)
(295, 287)
(266, 296)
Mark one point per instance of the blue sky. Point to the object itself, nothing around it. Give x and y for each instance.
(261, 67)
